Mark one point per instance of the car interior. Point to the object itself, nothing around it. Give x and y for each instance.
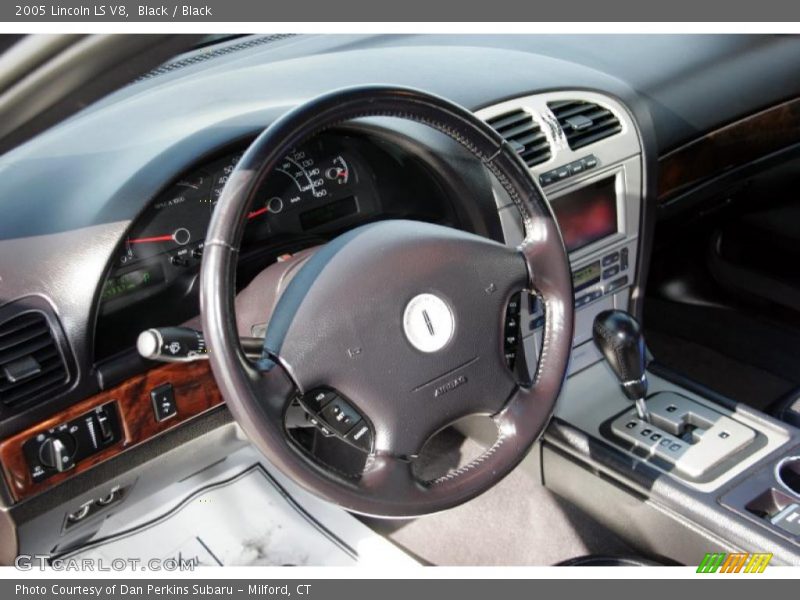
(400, 299)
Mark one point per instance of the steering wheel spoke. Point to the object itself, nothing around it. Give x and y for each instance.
(272, 386)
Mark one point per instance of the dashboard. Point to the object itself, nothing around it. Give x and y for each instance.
(104, 216)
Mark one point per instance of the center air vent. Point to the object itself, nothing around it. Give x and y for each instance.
(584, 123)
(524, 134)
(31, 365)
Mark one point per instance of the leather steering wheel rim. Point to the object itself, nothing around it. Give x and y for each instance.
(258, 394)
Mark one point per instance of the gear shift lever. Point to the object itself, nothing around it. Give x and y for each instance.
(619, 337)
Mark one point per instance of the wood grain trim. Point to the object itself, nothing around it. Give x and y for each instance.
(729, 147)
(195, 393)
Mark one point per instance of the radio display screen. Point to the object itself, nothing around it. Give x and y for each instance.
(586, 276)
(588, 214)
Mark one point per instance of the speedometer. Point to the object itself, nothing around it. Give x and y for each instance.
(301, 168)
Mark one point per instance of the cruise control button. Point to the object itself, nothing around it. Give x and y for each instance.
(340, 416)
(360, 437)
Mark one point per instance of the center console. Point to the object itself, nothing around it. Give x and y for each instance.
(591, 174)
(682, 472)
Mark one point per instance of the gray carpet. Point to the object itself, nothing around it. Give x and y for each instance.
(518, 522)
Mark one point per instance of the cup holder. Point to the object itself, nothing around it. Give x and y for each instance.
(788, 474)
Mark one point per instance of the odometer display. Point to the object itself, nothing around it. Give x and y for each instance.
(126, 283)
(328, 212)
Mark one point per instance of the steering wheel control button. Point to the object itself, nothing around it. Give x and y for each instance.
(340, 416)
(164, 405)
(360, 437)
(317, 400)
(428, 323)
(511, 332)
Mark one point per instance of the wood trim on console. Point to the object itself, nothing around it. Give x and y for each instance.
(195, 393)
(729, 147)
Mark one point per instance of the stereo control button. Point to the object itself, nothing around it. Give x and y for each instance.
(616, 284)
(360, 437)
(340, 416)
(610, 259)
(623, 259)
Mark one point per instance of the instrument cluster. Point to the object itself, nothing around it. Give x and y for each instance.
(333, 183)
(316, 187)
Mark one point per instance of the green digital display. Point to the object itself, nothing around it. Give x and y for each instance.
(586, 276)
(126, 283)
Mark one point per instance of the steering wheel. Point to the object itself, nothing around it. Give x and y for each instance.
(396, 326)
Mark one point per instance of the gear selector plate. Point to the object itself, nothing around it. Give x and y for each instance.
(690, 437)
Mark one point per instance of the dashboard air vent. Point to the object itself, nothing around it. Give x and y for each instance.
(31, 365)
(524, 135)
(584, 123)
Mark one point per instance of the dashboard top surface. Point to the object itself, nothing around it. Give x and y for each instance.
(676, 86)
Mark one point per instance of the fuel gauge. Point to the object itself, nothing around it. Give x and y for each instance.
(339, 171)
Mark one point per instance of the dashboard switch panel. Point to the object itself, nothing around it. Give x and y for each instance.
(60, 448)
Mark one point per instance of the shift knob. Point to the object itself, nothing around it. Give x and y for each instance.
(619, 337)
